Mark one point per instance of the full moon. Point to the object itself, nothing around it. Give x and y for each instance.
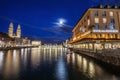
(62, 21)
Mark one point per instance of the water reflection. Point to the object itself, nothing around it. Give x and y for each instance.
(89, 68)
(35, 57)
(61, 72)
(11, 64)
(1, 59)
(49, 64)
(24, 57)
(51, 54)
(16, 64)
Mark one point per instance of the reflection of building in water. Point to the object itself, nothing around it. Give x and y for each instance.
(1, 59)
(60, 70)
(24, 56)
(16, 61)
(8, 64)
(12, 64)
(35, 56)
(50, 53)
(87, 67)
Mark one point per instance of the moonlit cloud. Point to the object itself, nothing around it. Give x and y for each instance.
(61, 26)
(60, 22)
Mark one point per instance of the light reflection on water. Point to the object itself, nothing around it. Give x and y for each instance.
(11, 64)
(61, 72)
(89, 68)
(1, 59)
(50, 64)
(35, 57)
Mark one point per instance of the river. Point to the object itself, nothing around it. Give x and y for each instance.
(51, 64)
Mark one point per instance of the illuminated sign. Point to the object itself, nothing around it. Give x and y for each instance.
(111, 31)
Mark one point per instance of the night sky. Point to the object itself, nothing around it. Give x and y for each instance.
(48, 20)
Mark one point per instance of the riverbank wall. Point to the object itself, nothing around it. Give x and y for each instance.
(111, 57)
(17, 47)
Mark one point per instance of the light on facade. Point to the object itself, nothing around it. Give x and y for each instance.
(74, 38)
(85, 33)
(112, 31)
(36, 42)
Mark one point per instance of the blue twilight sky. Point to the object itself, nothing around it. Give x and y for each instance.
(48, 20)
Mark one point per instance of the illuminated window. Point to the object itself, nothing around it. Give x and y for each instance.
(88, 22)
(96, 20)
(104, 20)
(111, 13)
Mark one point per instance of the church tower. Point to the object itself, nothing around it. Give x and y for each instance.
(10, 30)
(18, 31)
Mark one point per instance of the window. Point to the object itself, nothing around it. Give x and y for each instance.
(82, 29)
(88, 22)
(111, 27)
(105, 27)
(96, 13)
(112, 24)
(88, 17)
(96, 20)
(111, 13)
(104, 13)
(97, 26)
(112, 21)
(104, 20)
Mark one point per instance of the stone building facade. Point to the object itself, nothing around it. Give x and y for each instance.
(98, 26)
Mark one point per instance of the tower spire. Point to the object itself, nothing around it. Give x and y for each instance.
(10, 30)
(18, 31)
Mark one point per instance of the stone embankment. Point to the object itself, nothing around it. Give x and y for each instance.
(110, 56)
(17, 47)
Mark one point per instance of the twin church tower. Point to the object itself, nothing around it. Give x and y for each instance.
(11, 31)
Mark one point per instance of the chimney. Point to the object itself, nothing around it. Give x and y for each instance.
(108, 6)
(101, 6)
(116, 7)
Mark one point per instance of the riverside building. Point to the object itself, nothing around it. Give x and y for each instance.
(98, 29)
